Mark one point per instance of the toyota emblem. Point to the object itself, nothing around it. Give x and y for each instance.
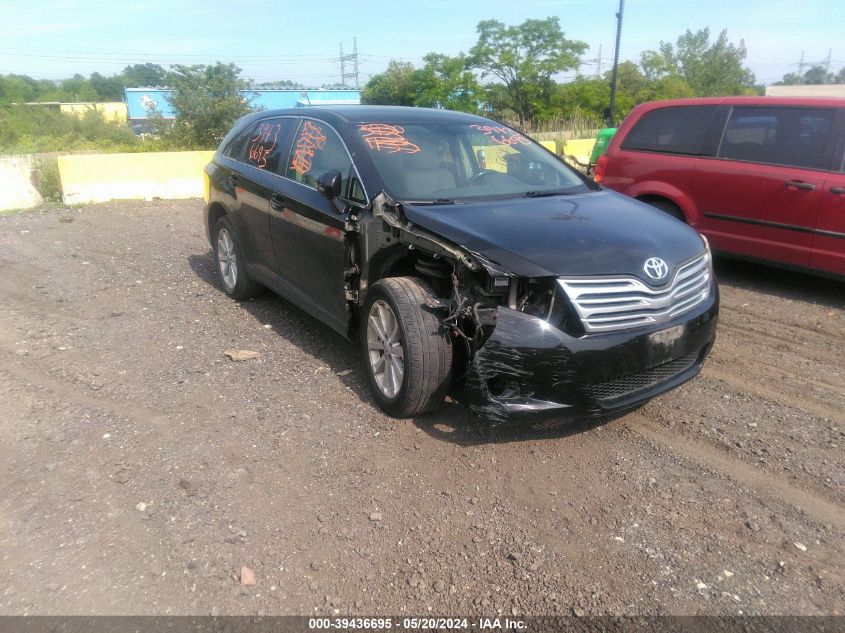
(655, 268)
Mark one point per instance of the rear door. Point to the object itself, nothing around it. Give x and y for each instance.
(760, 195)
(307, 229)
(829, 237)
(266, 144)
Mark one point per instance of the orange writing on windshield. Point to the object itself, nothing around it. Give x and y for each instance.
(311, 139)
(389, 138)
(501, 135)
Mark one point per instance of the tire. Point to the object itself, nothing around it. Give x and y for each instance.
(668, 207)
(230, 262)
(426, 349)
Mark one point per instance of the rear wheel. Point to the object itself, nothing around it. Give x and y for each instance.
(667, 207)
(407, 354)
(230, 262)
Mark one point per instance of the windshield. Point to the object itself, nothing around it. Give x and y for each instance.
(453, 162)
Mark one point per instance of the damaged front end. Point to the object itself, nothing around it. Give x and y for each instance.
(520, 347)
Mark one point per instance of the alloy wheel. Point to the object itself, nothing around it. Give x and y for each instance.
(384, 347)
(226, 258)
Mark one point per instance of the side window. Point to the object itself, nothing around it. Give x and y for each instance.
(235, 148)
(777, 136)
(673, 130)
(356, 194)
(316, 150)
(264, 144)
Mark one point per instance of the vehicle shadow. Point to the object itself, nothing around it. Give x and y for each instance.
(465, 429)
(779, 282)
(451, 423)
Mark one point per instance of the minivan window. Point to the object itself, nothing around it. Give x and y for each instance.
(316, 150)
(777, 136)
(673, 130)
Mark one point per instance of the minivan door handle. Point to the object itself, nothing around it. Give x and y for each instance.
(839, 191)
(800, 184)
(277, 201)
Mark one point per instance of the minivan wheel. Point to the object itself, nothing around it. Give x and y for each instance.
(406, 352)
(230, 264)
(667, 207)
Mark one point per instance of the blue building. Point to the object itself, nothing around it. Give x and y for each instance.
(142, 102)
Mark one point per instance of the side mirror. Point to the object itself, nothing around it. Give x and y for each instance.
(329, 184)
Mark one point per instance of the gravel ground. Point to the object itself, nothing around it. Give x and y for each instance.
(141, 469)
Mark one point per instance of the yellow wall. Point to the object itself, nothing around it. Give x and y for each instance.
(101, 177)
(549, 145)
(579, 149)
(112, 111)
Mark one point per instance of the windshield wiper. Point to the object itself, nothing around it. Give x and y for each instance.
(435, 201)
(545, 194)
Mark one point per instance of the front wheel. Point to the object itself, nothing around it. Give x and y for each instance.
(407, 353)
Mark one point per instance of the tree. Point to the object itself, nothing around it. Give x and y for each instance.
(524, 58)
(206, 100)
(144, 76)
(18, 89)
(447, 82)
(395, 86)
(708, 69)
(107, 88)
(791, 79)
(282, 84)
(813, 76)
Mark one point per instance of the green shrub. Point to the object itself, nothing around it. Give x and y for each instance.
(37, 129)
(46, 179)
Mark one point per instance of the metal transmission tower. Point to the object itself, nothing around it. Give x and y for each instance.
(610, 117)
(352, 57)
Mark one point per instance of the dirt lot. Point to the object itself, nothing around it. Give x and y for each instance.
(140, 468)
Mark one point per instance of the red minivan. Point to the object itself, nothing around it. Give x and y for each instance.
(761, 177)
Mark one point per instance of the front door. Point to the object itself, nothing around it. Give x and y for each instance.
(307, 229)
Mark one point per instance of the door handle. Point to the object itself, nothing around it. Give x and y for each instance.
(839, 191)
(277, 201)
(800, 184)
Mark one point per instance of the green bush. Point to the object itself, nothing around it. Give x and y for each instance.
(38, 129)
(46, 178)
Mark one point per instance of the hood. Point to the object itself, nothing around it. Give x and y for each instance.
(595, 233)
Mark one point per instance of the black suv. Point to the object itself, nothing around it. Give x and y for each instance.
(465, 258)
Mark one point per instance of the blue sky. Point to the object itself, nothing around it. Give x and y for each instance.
(299, 39)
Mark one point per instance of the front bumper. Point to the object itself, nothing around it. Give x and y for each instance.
(528, 368)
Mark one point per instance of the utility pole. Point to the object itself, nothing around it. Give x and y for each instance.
(610, 113)
(598, 64)
(353, 57)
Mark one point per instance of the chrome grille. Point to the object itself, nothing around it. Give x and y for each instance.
(617, 303)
